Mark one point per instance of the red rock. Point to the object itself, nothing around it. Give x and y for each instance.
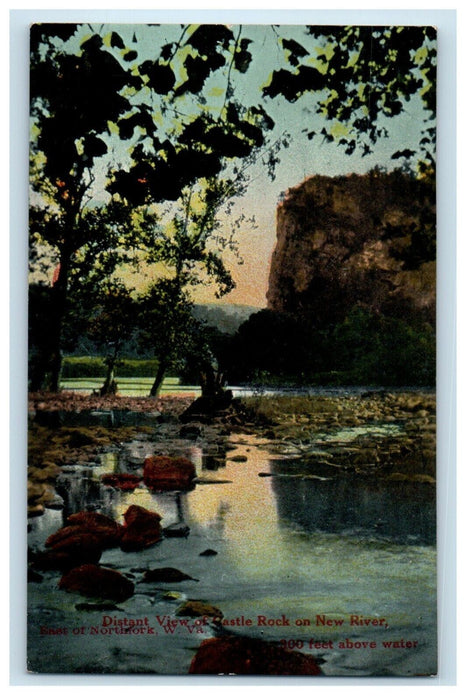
(167, 473)
(61, 534)
(92, 519)
(142, 529)
(107, 531)
(79, 547)
(123, 482)
(52, 561)
(106, 537)
(97, 582)
(244, 656)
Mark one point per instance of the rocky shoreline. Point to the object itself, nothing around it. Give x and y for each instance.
(381, 434)
(386, 435)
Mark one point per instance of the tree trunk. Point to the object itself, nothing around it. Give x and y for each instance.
(212, 381)
(162, 368)
(110, 386)
(59, 298)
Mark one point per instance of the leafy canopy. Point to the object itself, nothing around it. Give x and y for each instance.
(362, 76)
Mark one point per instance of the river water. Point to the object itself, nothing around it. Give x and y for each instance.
(340, 568)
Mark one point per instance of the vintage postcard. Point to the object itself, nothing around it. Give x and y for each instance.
(232, 350)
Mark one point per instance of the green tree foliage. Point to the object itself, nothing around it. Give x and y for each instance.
(112, 325)
(375, 349)
(198, 160)
(189, 241)
(167, 326)
(269, 343)
(366, 348)
(185, 132)
(39, 335)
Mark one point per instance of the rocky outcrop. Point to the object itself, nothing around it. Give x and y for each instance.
(360, 239)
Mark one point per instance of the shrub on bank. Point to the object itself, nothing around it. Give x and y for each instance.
(366, 349)
(88, 366)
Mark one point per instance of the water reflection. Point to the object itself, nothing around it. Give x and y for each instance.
(402, 512)
(114, 418)
(281, 549)
(81, 490)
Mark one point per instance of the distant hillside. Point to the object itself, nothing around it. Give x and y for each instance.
(227, 318)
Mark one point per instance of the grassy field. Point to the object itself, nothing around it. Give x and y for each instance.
(134, 377)
(127, 386)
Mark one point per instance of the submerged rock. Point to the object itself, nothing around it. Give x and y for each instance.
(172, 595)
(208, 553)
(206, 480)
(97, 607)
(177, 530)
(244, 656)
(166, 575)
(35, 510)
(168, 473)
(97, 582)
(191, 431)
(142, 529)
(197, 608)
(55, 503)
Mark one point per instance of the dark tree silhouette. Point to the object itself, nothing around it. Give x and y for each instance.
(84, 99)
(74, 99)
(362, 75)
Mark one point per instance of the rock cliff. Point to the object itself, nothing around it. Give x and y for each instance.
(358, 239)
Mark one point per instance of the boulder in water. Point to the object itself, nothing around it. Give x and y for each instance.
(245, 656)
(142, 529)
(197, 608)
(168, 473)
(97, 582)
(77, 547)
(166, 574)
(107, 531)
(176, 530)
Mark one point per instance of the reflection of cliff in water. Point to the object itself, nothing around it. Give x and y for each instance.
(402, 512)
